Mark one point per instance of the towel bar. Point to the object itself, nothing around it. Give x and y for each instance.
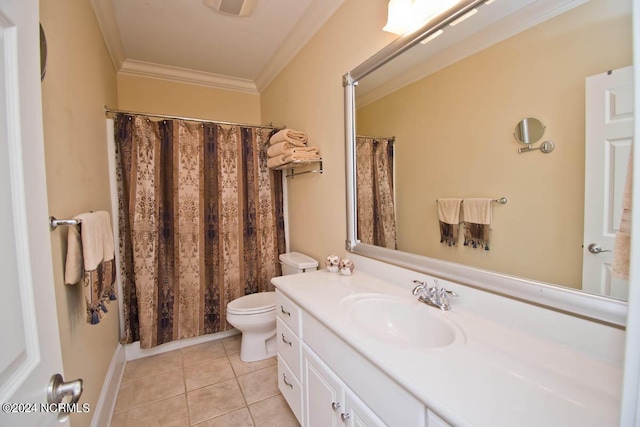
(54, 222)
(501, 200)
(291, 166)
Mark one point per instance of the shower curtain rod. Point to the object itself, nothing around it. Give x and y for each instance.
(390, 138)
(109, 112)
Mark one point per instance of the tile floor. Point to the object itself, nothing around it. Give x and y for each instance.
(205, 385)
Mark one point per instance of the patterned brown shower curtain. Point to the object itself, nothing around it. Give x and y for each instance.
(201, 223)
(374, 183)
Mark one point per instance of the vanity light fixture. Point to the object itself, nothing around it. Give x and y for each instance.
(408, 15)
(399, 16)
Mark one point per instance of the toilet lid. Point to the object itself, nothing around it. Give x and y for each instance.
(253, 304)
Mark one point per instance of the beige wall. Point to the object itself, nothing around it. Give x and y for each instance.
(308, 95)
(80, 80)
(157, 96)
(454, 139)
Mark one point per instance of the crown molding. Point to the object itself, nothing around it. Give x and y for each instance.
(313, 19)
(183, 75)
(109, 28)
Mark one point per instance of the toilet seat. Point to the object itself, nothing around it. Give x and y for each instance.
(261, 302)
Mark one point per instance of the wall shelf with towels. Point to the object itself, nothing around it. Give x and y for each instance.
(295, 164)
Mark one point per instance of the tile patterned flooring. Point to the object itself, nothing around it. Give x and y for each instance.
(205, 385)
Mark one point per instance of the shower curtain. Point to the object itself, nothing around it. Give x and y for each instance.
(200, 221)
(374, 183)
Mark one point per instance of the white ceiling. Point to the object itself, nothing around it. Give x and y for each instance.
(186, 41)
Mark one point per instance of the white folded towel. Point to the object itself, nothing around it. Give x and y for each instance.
(295, 137)
(274, 162)
(285, 147)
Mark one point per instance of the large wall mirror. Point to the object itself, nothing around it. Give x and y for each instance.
(436, 119)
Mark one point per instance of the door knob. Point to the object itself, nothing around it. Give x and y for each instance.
(58, 389)
(595, 248)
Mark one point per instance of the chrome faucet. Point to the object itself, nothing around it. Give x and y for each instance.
(433, 296)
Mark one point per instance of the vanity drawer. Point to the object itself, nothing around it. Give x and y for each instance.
(290, 388)
(289, 348)
(289, 312)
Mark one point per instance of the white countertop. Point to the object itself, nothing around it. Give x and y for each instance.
(497, 375)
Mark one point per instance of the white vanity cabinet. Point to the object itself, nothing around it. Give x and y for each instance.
(327, 383)
(289, 345)
(328, 400)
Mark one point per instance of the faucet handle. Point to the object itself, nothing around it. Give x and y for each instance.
(419, 287)
(446, 292)
(443, 298)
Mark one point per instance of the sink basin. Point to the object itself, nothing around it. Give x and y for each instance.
(401, 322)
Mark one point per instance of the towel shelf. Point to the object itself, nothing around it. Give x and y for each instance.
(55, 223)
(295, 164)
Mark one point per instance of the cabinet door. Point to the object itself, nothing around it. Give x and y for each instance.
(324, 394)
(357, 414)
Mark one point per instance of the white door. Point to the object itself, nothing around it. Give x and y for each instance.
(609, 135)
(30, 352)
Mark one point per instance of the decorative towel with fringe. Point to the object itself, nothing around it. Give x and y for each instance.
(449, 216)
(622, 243)
(476, 215)
(90, 259)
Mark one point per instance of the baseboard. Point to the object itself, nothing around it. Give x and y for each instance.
(133, 350)
(109, 393)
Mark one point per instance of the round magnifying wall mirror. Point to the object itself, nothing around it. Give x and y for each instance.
(529, 130)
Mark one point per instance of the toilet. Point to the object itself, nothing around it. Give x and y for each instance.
(255, 315)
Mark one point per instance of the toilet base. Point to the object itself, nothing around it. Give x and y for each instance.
(256, 346)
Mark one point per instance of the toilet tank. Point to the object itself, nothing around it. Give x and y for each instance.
(295, 262)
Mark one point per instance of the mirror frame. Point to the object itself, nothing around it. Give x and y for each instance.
(567, 300)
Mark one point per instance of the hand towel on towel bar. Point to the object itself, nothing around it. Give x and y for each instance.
(476, 215)
(295, 137)
(90, 258)
(449, 216)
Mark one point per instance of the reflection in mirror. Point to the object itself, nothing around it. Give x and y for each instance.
(452, 120)
(374, 180)
(529, 130)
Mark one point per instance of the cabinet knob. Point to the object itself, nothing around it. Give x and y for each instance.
(344, 416)
(335, 406)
